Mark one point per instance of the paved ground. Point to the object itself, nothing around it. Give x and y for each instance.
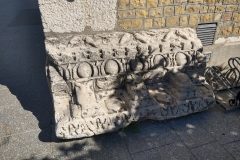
(26, 130)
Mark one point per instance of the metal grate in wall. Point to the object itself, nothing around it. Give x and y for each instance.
(206, 33)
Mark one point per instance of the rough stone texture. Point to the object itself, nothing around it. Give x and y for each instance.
(142, 13)
(179, 10)
(192, 8)
(156, 12)
(172, 21)
(74, 16)
(137, 3)
(203, 9)
(102, 82)
(130, 24)
(123, 4)
(159, 22)
(194, 19)
(152, 3)
(169, 11)
(184, 20)
(126, 14)
(148, 23)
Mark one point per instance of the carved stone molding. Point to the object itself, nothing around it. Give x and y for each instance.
(101, 83)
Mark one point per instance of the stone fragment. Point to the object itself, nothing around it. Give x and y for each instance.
(156, 12)
(102, 82)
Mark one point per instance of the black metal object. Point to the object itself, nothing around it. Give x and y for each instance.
(226, 86)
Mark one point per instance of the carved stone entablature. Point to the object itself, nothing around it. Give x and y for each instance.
(101, 83)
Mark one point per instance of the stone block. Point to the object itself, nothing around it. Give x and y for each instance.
(169, 11)
(236, 16)
(237, 24)
(156, 12)
(184, 20)
(211, 9)
(165, 2)
(148, 23)
(203, 9)
(207, 17)
(226, 31)
(218, 1)
(236, 31)
(180, 2)
(137, 3)
(172, 21)
(220, 8)
(209, 2)
(227, 16)
(159, 22)
(229, 1)
(196, 1)
(192, 9)
(231, 7)
(123, 4)
(126, 14)
(152, 3)
(194, 19)
(141, 13)
(179, 10)
(217, 17)
(130, 24)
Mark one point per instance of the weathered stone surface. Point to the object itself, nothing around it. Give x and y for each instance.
(101, 83)
(74, 16)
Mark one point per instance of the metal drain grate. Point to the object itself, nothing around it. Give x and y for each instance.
(206, 33)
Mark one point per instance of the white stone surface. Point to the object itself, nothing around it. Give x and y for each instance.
(74, 15)
(227, 40)
(101, 83)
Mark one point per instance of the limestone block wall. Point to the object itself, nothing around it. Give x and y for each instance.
(146, 14)
(87, 16)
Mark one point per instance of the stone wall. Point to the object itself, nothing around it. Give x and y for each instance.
(145, 14)
(87, 16)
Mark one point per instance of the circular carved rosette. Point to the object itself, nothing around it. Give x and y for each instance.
(84, 70)
(159, 61)
(136, 65)
(181, 59)
(111, 67)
